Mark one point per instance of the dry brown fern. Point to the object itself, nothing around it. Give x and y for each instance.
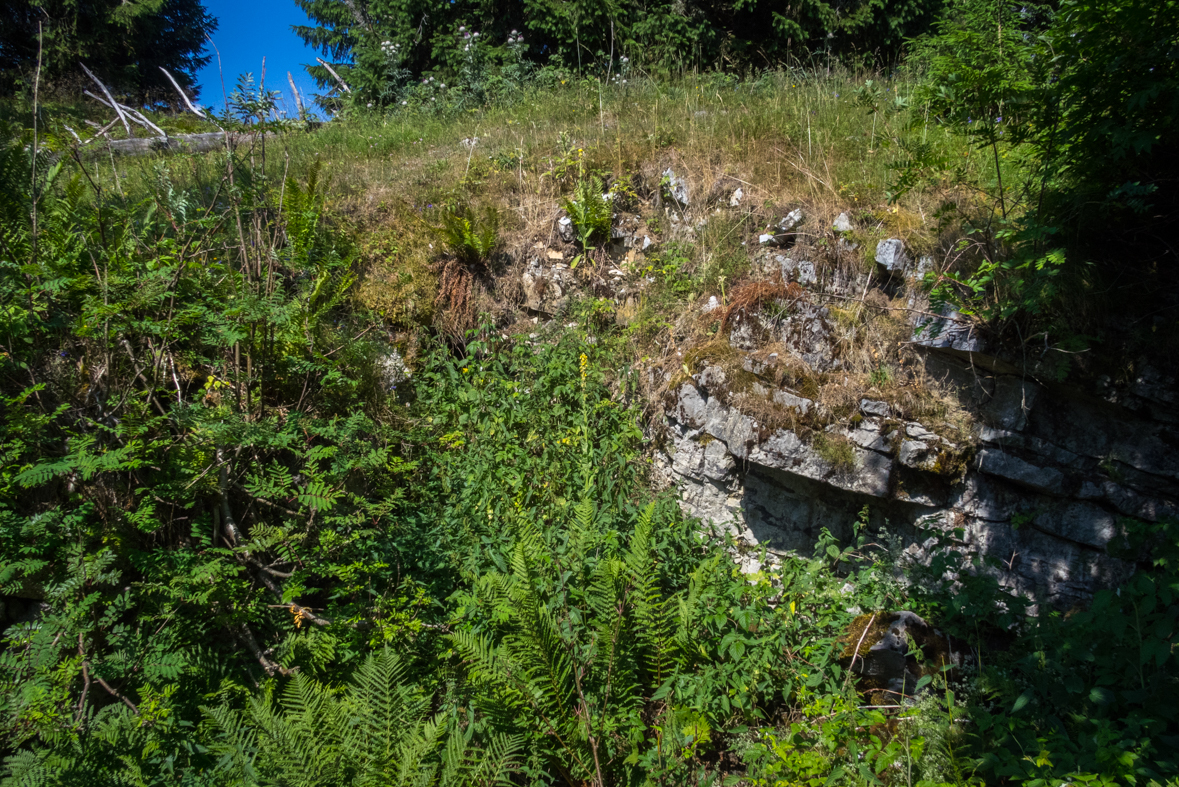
(750, 297)
(454, 306)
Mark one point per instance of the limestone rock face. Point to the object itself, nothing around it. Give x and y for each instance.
(805, 328)
(1038, 486)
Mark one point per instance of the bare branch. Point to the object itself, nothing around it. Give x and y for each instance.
(117, 695)
(135, 115)
(856, 653)
(332, 71)
(183, 95)
(143, 119)
(295, 90)
(113, 104)
(223, 488)
(247, 638)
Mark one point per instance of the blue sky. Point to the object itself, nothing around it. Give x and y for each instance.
(247, 31)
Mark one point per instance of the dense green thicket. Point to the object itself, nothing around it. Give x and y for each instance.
(125, 44)
(384, 48)
(1078, 107)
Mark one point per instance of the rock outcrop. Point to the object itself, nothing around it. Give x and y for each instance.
(1036, 484)
(1039, 485)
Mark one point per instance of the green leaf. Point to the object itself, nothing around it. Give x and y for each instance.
(1099, 695)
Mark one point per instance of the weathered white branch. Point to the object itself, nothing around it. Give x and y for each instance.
(295, 90)
(136, 116)
(332, 71)
(113, 104)
(183, 95)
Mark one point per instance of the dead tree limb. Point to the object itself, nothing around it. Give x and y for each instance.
(114, 104)
(332, 71)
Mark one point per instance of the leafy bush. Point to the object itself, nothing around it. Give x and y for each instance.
(196, 472)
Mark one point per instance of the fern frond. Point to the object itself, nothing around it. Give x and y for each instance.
(232, 742)
(416, 747)
(471, 239)
(590, 212)
(383, 713)
(489, 766)
(31, 769)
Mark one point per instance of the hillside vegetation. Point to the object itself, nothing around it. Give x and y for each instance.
(303, 482)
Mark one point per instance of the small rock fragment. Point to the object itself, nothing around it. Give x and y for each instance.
(677, 188)
(792, 221)
(806, 273)
(565, 229)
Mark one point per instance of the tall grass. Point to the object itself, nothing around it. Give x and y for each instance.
(797, 134)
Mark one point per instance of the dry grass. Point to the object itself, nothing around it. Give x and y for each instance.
(752, 296)
(454, 305)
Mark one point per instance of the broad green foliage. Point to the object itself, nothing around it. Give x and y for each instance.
(1076, 107)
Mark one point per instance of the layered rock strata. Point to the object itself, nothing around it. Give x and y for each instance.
(1039, 486)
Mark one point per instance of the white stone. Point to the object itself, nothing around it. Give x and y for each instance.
(565, 229)
(890, 255)
(791, 221)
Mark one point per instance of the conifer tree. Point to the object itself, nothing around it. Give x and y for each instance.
(124, 43)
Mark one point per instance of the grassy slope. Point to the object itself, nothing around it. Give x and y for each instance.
(788, 141)
(829, 144)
